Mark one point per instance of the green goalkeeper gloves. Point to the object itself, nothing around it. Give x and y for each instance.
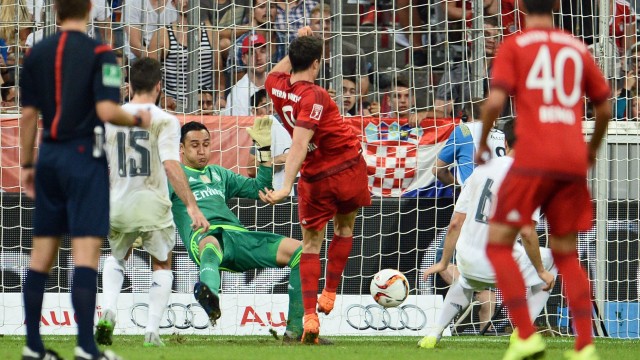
(261, 135)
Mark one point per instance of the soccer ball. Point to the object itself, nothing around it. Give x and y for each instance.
(389, 288)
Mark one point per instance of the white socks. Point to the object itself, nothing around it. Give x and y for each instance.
(161, 283)
(536, 300)
(112, 279)
(457, 299)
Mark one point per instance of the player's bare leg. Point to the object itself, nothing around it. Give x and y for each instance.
(511, 283)
(43, 254)
(487, 300)
(337, 254)
(577, 287)
(310, 275)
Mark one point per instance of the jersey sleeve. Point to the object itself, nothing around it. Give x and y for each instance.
(503, 70)
(240, 186)
(596, 86)
(28, 85)
(311, 108)
(169, 140)
(447, 154)
(108, 75)
(536, 215)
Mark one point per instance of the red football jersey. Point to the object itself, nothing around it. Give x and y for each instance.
(309, 106)
(622, 15)
(513, 18)
(549, 72)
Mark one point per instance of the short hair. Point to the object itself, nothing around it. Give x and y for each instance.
(72, 9)
(257, 97)
(191, 126)
(145, 74)
(400, 81)
(509, 132)
(491, 21)
(352, 79)
(324, 7)
(539, 7)
(206, 90)
(303, 51)
(6, 88)
(472, 109)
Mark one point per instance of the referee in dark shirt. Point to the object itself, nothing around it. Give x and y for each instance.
(75, 82)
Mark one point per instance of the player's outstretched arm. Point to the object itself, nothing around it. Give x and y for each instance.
(450, 241)
(28, 130)
(532, 248)
(297, 154)
(109, 111)
(178, 181)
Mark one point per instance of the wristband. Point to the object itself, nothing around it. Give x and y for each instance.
(137, 120)
(27, 166)
(264, 154)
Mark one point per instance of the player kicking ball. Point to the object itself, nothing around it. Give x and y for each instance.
(141, 162)
(468, 234)
(227, 244)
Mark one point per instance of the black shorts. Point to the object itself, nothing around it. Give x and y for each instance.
(72, 190)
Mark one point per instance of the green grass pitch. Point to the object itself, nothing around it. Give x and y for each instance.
(360, 348)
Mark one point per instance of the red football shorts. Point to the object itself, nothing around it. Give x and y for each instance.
(566, 203)
(341, 193)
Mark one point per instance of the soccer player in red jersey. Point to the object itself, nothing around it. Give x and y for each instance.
(333, 175)
(549, 72)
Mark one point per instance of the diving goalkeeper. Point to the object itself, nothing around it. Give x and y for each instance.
(227, 244)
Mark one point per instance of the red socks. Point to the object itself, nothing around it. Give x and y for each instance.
(578, 292)
(309, 277)
(337, 257)
(511, 283)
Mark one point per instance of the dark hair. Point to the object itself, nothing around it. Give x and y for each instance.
(509, 133)
(539, 7)
(303, 51)
(491, 21)
(257, 97)
(145, 74)
(472, 109)
(191, 126)
(352, 79)
(400, 81)
(6, 88)
(72, 9)
(206, 90)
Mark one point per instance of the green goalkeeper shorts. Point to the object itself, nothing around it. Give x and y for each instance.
(242, 250)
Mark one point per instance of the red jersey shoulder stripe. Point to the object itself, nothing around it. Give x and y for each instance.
(58, 84)
(102, 49)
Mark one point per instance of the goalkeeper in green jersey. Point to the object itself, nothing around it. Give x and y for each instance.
(228, 245)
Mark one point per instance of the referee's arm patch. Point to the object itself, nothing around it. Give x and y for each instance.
(111, 75)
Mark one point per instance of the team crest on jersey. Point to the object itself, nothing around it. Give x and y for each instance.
(316, 112)
(205, 179)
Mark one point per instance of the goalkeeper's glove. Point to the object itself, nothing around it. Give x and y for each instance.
(261, 135)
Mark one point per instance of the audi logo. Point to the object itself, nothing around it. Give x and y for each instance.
(376, 317)
(177, 315)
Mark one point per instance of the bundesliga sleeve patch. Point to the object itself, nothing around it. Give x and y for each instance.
(316, 112)
(111, 75)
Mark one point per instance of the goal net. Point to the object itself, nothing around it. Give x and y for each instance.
(403, 73)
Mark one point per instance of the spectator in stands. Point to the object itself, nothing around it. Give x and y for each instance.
(169, 45)
(36, 10)
(254, 54)
(205, 101)
(354, 62)
(142, 18)
(455, 87)
(280, 140)
(256, 20)
(15, 26)
(350, 97)
(401, 103)
(8, 93)
(100, 21)
(409, 17)
(291, 15)
(211, 11)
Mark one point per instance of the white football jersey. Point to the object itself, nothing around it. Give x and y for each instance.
(280, 144)
(139, 189)
(476, 201)
(495, 140)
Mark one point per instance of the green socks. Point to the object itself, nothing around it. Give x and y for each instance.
(210, 259)
(296, 310)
